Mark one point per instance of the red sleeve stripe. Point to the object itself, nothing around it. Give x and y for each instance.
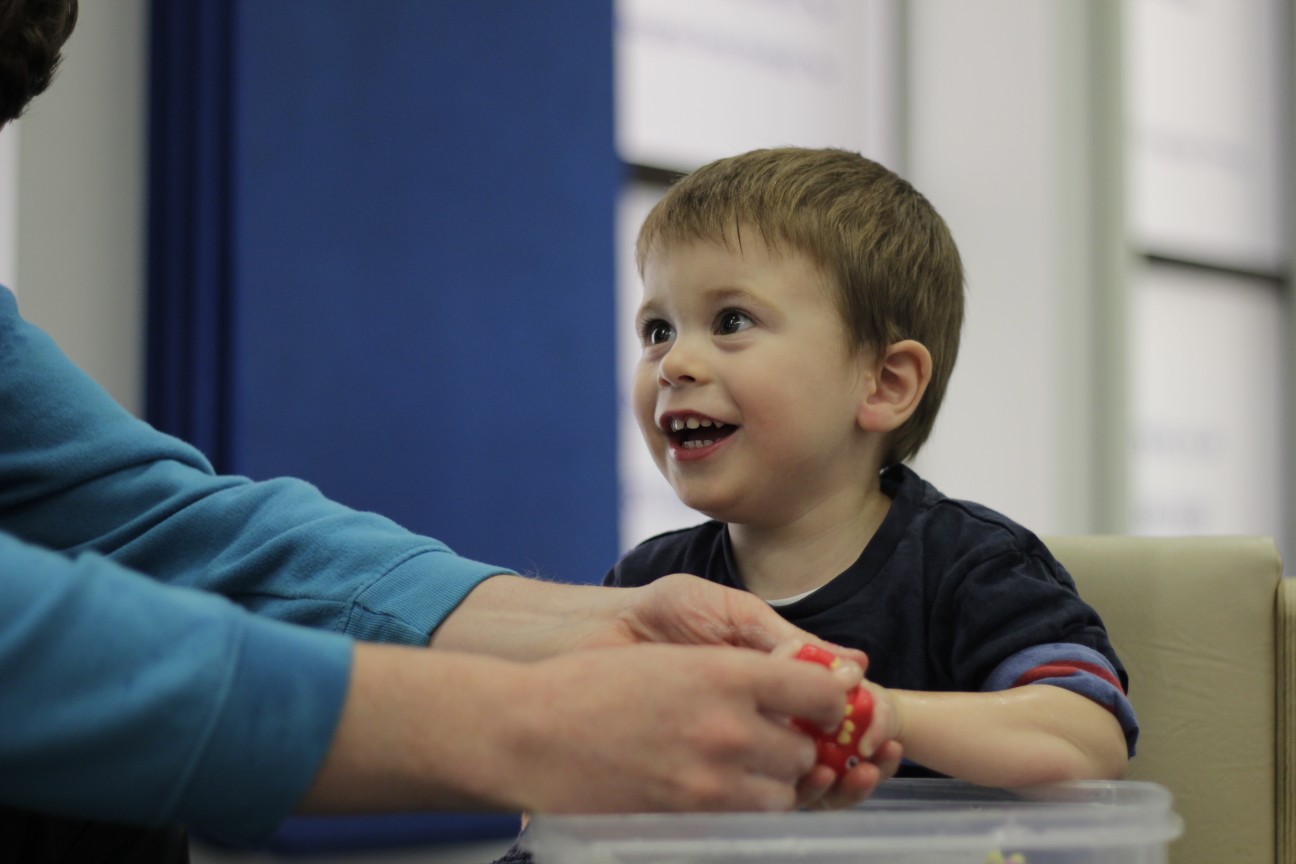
(1065, 669)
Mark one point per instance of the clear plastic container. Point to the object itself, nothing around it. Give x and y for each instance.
(905, 822)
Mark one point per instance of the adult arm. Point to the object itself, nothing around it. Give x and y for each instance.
(138, 702)
(126, 700)
(649, 727)
(528, 619)
(206, 714)
(126, 694)
(79, 474)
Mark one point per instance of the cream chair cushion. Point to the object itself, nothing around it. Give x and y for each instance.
(1199, 625)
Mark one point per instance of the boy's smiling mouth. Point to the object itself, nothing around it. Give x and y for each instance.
(694, 432)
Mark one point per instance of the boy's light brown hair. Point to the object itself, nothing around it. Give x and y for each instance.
(883, 246)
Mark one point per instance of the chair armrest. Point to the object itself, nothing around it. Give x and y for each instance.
(1286, 720)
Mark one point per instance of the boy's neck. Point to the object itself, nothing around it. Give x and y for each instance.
(782, 561)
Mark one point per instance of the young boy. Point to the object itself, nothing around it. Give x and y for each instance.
(800, 320)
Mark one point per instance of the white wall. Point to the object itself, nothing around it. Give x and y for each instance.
(999, 133)
(8, 204)
(697, 80)
(1209, 153)
(1208, 375)
(1064, 142)
(81, 176)
(1206, 138)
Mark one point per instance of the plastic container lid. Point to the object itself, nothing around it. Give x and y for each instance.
(904, 821)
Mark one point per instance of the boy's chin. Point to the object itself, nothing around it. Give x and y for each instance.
(712, 497)
(721, 511)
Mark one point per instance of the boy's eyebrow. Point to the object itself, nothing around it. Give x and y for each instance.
(729, 293)
(717, 295)
(732, 294)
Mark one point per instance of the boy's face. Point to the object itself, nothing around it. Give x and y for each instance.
(746, 391)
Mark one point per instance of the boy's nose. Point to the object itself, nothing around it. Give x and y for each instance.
(677, 367)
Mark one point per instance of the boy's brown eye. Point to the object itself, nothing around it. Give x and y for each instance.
(656, 332)
(732, 321)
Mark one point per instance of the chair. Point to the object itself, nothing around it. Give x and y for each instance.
(1205, 628)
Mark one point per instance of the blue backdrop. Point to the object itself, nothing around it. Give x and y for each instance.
(381, 259)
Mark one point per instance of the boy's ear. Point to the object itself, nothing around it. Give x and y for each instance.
(896, 385)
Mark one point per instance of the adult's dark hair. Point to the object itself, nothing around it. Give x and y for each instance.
(32, 33)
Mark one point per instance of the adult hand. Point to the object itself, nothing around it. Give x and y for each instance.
(686, 610)
(522, 618)
(636, 728)
(510, 616)
(700, 728)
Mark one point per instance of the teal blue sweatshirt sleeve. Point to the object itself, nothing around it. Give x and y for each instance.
(128, 701)
(146, 611)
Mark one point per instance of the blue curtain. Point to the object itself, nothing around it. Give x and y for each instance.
(191, 137)
(382, 260)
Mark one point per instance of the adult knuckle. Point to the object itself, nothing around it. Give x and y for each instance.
(705, 790)
(724, 738)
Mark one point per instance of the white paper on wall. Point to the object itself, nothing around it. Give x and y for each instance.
(1206, 141)
(1207, 414)
(700, 79)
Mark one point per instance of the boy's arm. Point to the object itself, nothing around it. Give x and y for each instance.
(1048, 712)
(1033, 691)
(1037, 733)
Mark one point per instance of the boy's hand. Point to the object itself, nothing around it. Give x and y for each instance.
(861, 750)
(888, 721)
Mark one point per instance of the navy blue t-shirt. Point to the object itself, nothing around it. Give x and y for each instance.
(946, 596)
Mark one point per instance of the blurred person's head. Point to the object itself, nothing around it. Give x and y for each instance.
(32, 33)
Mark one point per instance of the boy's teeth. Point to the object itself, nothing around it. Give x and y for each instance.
(677, 424)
